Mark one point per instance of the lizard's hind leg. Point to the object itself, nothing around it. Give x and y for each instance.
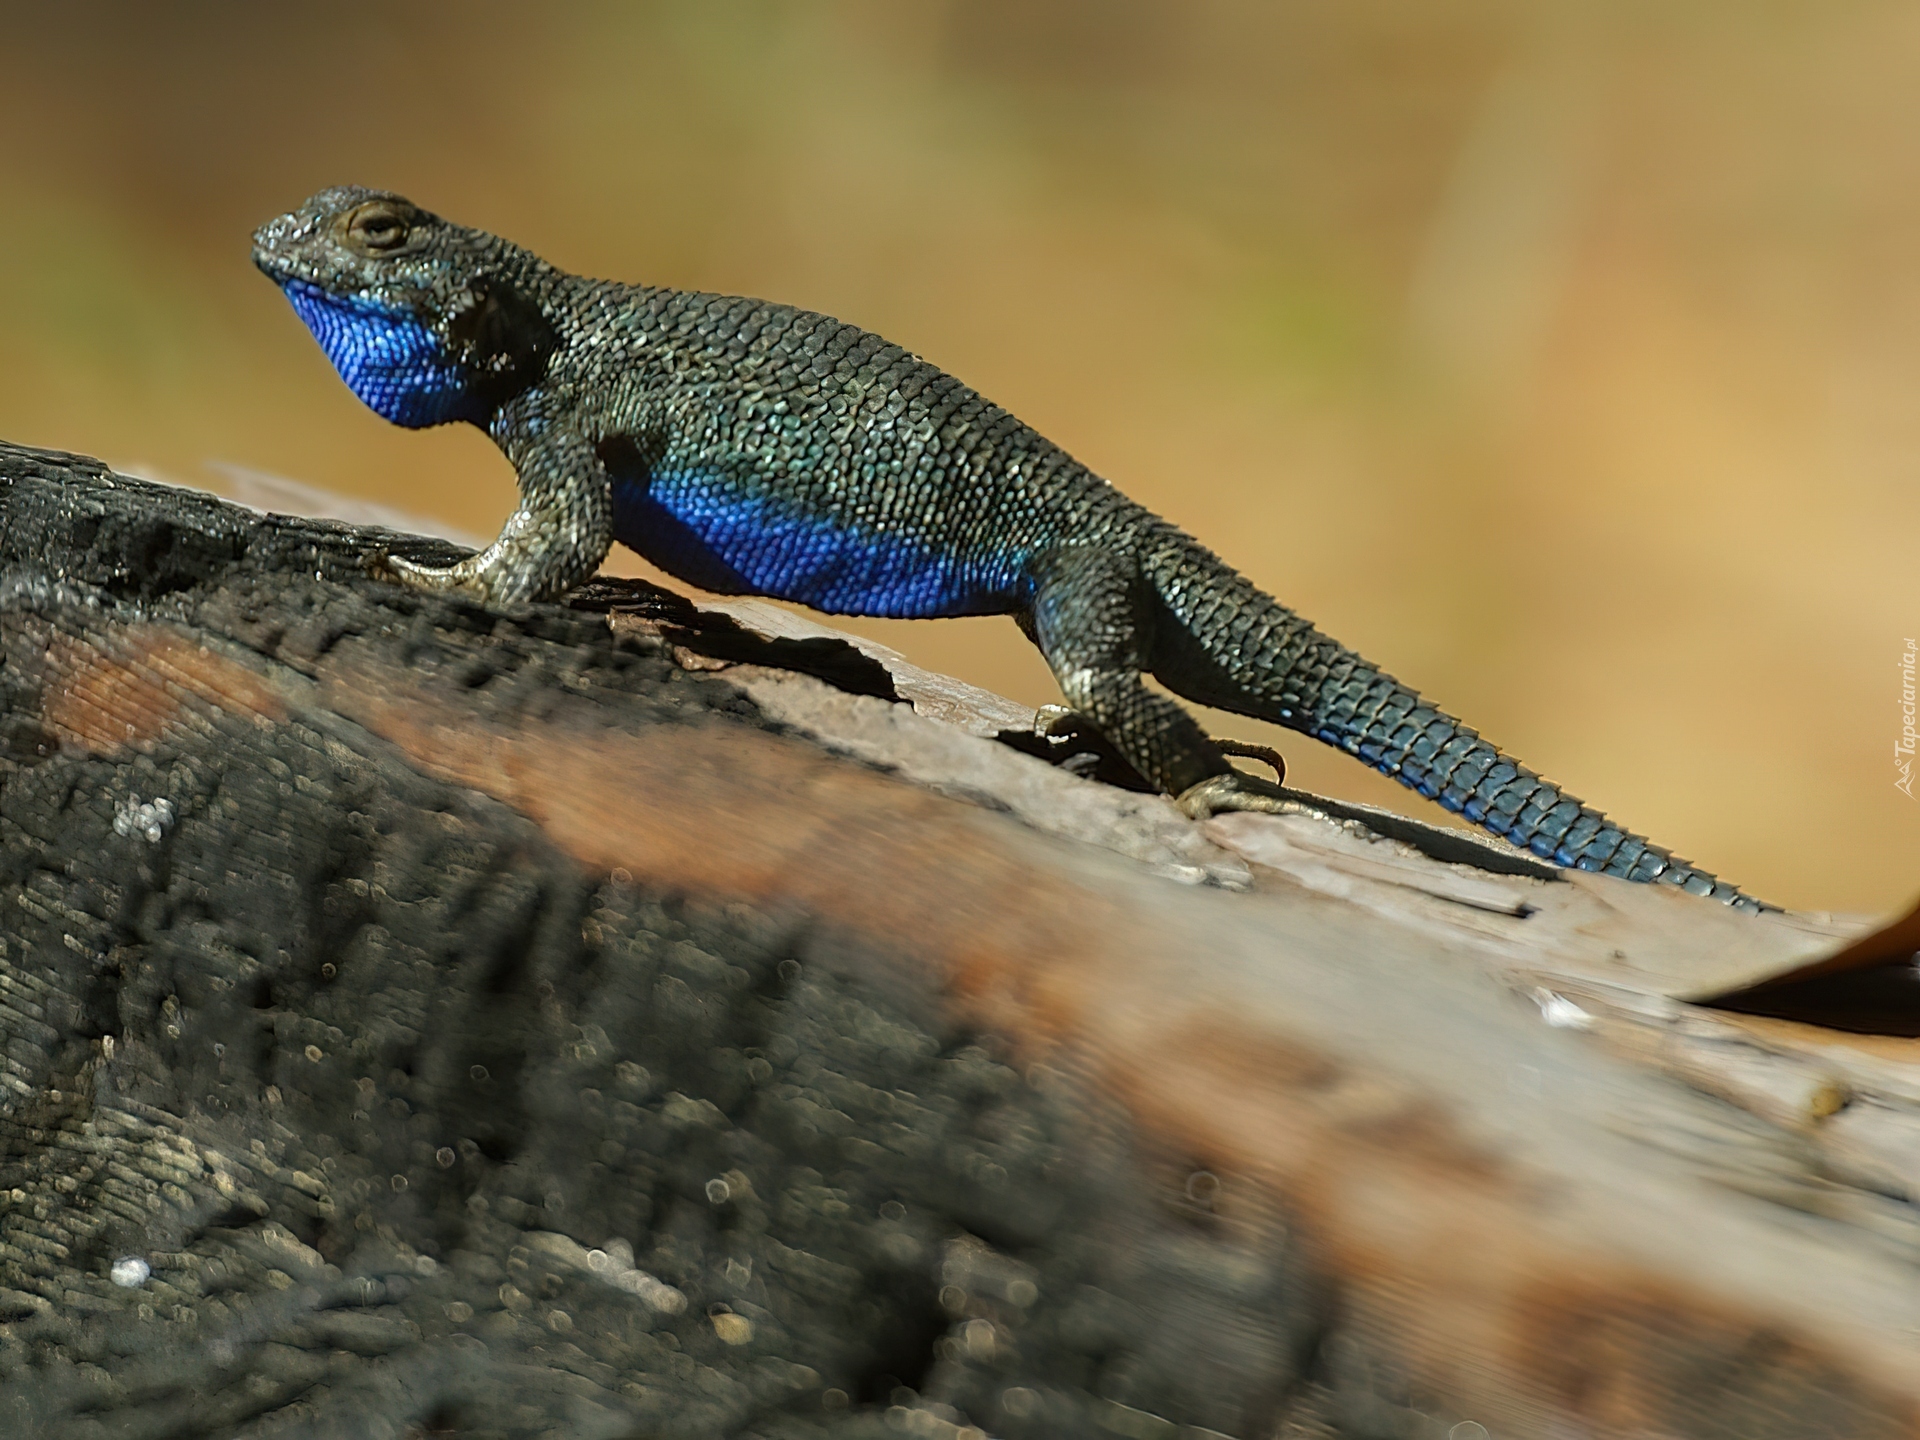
(1089, 619)
(1093, 619)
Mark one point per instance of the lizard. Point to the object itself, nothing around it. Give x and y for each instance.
(754, 448)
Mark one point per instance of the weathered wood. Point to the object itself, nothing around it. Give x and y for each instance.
(636, 1018)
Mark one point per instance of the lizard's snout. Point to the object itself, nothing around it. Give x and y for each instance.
(271, 243)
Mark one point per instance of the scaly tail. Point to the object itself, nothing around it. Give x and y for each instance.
(1222, 642)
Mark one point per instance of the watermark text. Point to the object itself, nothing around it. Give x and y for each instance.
(1903, 748)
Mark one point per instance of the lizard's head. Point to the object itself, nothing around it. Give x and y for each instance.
(425, 320)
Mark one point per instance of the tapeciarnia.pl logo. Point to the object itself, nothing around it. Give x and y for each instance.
(1903, 747)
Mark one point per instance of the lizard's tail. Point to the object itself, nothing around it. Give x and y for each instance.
(1221, 641)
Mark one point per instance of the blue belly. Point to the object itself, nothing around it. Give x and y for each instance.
(718, 534)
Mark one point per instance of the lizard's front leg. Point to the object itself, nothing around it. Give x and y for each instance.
(556, 537)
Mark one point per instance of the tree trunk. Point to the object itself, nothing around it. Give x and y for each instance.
(629, 1018)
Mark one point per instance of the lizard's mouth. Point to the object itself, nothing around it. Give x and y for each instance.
(273, 260)
(271, 265)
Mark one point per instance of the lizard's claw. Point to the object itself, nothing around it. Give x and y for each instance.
(1237, 791)
(1265, 754)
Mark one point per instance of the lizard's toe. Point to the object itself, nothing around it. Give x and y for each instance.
(1237, 791)
(460, 578)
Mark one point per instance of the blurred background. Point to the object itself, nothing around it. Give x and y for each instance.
(1563, 358)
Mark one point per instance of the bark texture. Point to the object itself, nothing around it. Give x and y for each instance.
(639, 1019)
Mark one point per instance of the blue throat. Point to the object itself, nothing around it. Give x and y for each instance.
(394, 363)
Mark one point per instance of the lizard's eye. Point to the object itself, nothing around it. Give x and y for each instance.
(378, 227)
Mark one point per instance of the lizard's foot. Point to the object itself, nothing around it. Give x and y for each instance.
(1054, 720)
(1238, 791)
(1067, 739)
(1066, 732)
(1062, 722)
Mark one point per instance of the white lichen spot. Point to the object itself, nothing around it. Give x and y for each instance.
(1560, 1012)
(149, 820)
(614, 1266)
(130, 1272)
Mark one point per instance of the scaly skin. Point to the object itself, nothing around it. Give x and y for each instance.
(751, 448)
